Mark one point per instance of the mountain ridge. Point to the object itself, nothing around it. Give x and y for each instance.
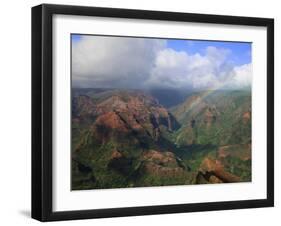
(127, 135)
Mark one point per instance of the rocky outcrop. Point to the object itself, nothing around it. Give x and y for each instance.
(246, 116)
(210, 116)
(161, 164)
(212, 171)
(119, 162)
(126, 113)
(111, 121)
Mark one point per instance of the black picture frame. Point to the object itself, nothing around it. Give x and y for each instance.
(42, 106)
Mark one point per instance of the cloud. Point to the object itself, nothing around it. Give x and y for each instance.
(113, 62)
(178, 69)
(242, 76)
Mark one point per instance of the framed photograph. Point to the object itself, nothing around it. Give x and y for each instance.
(145, 112)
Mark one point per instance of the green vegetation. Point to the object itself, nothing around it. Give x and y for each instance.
(127, 139)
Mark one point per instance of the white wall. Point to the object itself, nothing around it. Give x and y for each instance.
(15, 116)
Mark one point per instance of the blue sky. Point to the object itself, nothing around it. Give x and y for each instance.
(76, 38)
(240, 52)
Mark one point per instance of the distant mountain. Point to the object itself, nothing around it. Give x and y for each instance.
(166, 97)
(128, 138)
(214, 117)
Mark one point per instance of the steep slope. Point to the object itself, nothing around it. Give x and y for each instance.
(220, 118)
(127, 139)
(216, 131)
(123, 113)
(129, 123)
